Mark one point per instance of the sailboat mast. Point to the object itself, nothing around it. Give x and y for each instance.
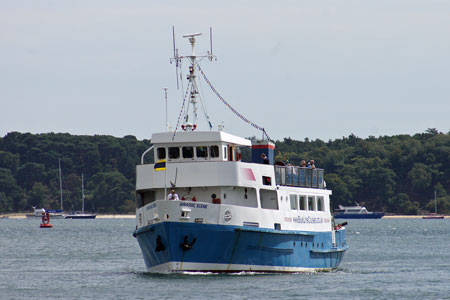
(60, 183)
(435, 202)
(82, 193)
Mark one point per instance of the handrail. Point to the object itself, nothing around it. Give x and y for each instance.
(145, 152)
(299, 176)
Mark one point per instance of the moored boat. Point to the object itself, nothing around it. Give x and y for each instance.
(37, 212)
(356, 212)
(82, 214)
(434, 215)
(226, 215)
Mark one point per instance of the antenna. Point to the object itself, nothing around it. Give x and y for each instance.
(210, 56)
(175, 56)
(165, 92)
(192, 35)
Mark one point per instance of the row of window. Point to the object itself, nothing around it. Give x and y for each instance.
(307, 203)
(188, 152)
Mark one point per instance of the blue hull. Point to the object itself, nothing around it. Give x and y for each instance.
(375, 215)
(255, 249)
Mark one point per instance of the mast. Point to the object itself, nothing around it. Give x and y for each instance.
(193, 92)
(82, 193)
(435, 202)
(192, 96)
(60, 183)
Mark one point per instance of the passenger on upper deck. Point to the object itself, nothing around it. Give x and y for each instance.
(238, 154)
(311, 165)
(173, 195)
(303, 164)
(265, 159)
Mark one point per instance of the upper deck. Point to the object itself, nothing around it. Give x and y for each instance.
(205, 158)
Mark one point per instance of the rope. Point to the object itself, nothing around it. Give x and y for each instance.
(231, 108)
(181, 111)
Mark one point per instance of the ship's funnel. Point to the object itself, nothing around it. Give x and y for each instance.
(260, 147)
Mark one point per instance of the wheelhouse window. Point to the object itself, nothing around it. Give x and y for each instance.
(161, 153)
(320, 204)
(294, 205)
(224, 152)
(188, 152)
(311, 203)
(202, 151)
(174, 152)
(214, 151)
(302, 203)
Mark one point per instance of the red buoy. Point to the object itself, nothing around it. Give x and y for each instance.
(46, 220)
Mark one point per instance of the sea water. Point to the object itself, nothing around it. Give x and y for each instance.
(100, 259)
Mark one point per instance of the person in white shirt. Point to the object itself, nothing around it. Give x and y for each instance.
(173, 195)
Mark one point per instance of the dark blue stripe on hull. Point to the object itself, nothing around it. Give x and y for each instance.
(218, 244)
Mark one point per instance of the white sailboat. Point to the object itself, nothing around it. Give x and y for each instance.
(82, 214)
(435, 214)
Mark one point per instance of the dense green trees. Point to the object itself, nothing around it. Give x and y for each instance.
(29, 174)
(396, 174)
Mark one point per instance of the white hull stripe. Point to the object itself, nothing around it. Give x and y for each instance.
(176, 267)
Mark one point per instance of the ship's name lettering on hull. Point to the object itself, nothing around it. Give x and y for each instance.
(194, 205)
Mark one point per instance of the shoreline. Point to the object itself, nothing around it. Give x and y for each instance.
(122, 216)
(409, 217)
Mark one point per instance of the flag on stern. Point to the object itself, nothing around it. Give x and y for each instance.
(160, 165)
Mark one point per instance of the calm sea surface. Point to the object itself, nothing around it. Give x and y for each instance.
(99, 259)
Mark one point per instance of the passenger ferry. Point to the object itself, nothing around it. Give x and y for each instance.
(356, 212)
(229, 215)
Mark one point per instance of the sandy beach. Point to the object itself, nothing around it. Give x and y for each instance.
(408, 217)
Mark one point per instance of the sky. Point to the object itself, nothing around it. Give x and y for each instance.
(317, 69)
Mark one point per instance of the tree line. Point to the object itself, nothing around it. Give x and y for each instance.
(29, 171)
(396, 174)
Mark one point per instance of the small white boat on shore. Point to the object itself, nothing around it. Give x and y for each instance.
(37, 212)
